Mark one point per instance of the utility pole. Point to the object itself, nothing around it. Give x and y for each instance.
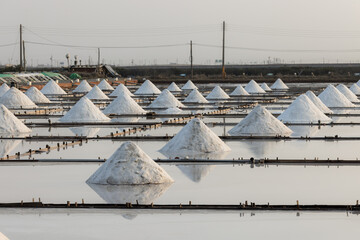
(24, 61)
(21, 49)
(223, 53)
(99, 57)
(191, 61)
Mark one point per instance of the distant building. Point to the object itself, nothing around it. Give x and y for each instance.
(102, 70)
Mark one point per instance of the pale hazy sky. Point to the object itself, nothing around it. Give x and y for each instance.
(260, 24)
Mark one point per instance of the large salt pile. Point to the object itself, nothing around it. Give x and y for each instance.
(239, 91)
(217, 94)
(195, 97)
(347, 93)
(123, 104)
(36, 96)
(303, 110)
(83, 87)
(173, 87)
(260, 122)
(279, 85)
(253, 87)
(84, 111)
(9, 123)
(147, 88)
(120, 89)
(14, 98)
(358, 83)
(52, 88)
(320, 105)
(130, 165)
(265, 87)
(354, 88)
(165, 100)
(189, 85)
(332, 97)
(3, 89)
(105, 86)
(194, 139)
(96, 93)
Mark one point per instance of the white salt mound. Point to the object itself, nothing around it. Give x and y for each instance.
(347, 93)
(83, 87)
(124, 104)
(14, 98)
(165, 100)
(36, 96)
(85, 131)
(320, 105)
(173, 110)
(173, 87)
(252, 87)
(354, 88)
(194, 139)
(303, 110)
(105, 86)
(332, 97)
(96, 93)
(189, 85)
(84, 111)
(279, 85)
(147, 88)
(3, 89)
(358, 83)
(195, 97)
(217, 93)
(265, 87)
(239, 91)
(260, 122)
(52, 88)
(130, 165)
(9, 123)
(120, 89)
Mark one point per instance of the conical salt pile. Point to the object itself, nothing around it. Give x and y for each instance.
(96, 93)
(120, 89)
(165, 100)
(147, 88)
(332, 97)
(260, 122)
(193, 139)
(36, 96)
(347, 93)
(195, 97)
(173, 110)
(239, 91)
(358, 83)
(9, 123)
(124, 104)
(303, 110)
(320, 105)
(130, 165)
(173, 87)
(52, 88)
(84, 111)
(105, 86)
(354, 88)
(189, 85)
(83, 87)
(3, 89)
(279, 85)
(14, 98)
(217, 93)
(253, 87)
(265, 87)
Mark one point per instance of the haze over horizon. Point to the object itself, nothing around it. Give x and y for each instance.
(257, 30)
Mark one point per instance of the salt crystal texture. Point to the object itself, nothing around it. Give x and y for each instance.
(217, 94)
(265, 87)
(239, 91)
(36, 96)
(130, 165)
(165, 100)
(303, 110)
(105, 86)
(124, 104)
(354, 88)
(260, 122)
(195, 97)
(347, 93)
(9, 123)
(279, 85)
(147, 88)
(120, 89)
(97, 94)
(189, 85)
(14, 98)
(83, 87)
(318, 102)
(84, 111)
(3, 89)
(173, 87)
(332, 97)
(52, 88)
(252, 87)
